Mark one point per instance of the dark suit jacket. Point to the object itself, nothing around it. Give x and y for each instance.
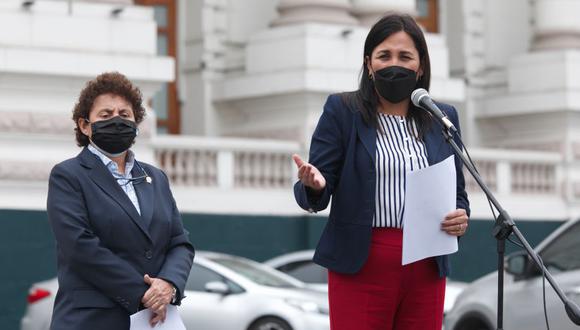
(104, 247)
(343, 150)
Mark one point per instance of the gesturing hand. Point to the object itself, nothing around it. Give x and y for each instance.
(309, 175)
(157, 297)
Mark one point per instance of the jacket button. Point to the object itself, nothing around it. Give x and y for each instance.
(148, 254)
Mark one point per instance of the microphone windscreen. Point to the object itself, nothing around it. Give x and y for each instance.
(417, 95)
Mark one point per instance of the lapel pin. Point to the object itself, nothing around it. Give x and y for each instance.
(148, 179)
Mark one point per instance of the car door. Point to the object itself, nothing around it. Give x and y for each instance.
(523, 299)
(207, 310)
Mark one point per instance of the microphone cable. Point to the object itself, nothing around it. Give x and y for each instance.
(509, 238)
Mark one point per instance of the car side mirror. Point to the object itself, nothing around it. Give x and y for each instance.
(517, 264)
(217, 287)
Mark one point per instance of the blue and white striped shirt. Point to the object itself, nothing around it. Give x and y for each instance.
(126, 185)
(398, 151)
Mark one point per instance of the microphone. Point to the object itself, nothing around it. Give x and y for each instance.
(420, 98)
(138, 179)
(146, 176)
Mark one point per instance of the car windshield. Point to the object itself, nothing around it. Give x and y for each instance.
(563, 254)
(254, 273)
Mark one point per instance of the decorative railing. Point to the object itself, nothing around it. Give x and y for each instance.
(226, 162)
(252, 163)
(517, 172)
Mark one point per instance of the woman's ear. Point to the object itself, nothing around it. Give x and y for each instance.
(84, 126)
(369, 67)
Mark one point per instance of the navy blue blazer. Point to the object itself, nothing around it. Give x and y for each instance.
(343, 148)
(104, 247)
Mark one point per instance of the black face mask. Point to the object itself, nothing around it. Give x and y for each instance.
(395, 83)
(114, 135)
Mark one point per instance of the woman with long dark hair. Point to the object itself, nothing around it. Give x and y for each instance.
(363, 146)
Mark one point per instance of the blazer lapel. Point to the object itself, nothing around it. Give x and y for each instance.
(433, 142)
(103, 178)
(145, 195)
(368, 135)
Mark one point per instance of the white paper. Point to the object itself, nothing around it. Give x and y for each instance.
(430, 194)
(140, 320)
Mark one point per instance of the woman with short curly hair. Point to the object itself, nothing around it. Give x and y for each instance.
(121, 245)
(106, 83)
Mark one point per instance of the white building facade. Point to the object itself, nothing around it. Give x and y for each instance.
(263, 69)
(237, 86)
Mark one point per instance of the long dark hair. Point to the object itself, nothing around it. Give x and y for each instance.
(365, 99)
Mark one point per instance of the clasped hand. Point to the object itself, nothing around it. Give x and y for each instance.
(157, 297)
(455, 223)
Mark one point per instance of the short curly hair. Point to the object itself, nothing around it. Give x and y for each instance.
(106, 83)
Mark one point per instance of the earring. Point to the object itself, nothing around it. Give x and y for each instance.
(370, 76)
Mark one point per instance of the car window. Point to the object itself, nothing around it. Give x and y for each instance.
(234, 288)
(254, 273)
(563, 254)
(306, 271)
(200, 276)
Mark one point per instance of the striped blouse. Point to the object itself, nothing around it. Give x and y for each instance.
(398, 151)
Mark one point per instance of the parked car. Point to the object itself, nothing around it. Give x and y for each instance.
(300, 265)
(224, 292)
(39, 309)
(476, 307)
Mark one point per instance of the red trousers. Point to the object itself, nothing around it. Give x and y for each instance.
(384, 295)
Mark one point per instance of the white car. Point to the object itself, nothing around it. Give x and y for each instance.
(40, 301)
(476, 307)
(223, 292)
(300, 265)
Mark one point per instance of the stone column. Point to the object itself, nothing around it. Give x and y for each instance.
(557, 24)
(314, 11)
(556, 58)
(369, 11)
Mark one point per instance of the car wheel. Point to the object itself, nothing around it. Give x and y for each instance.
(270, 323)
(472, 323)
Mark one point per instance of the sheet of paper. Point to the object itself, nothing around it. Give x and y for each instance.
(140, 320)
(430, 194)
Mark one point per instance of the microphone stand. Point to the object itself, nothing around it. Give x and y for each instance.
(504, 226)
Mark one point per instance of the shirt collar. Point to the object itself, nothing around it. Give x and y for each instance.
(110, 164)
